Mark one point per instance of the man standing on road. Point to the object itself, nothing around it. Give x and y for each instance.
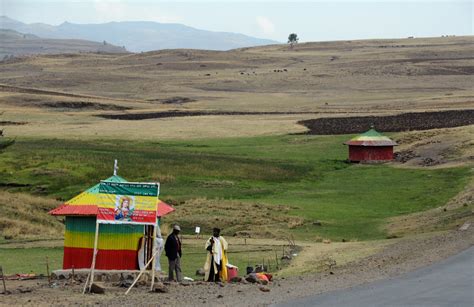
(173, 252)
(216, 263)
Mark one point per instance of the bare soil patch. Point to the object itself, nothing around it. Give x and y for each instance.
(393, 123)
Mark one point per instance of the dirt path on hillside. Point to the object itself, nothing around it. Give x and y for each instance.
(401, 256)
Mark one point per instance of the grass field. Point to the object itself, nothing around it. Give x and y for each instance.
(30, 259)
(306, 176)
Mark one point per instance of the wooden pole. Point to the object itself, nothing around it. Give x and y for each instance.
(154, 257)
(94, 255)
(276, 259)
(3, 279)
(47, 270)
(155, 248)
(248, 252)
(141, 272)
(87, 281)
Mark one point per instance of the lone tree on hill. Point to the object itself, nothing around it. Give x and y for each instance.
(293, 39)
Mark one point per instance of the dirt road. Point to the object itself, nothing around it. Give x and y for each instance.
(448, 283)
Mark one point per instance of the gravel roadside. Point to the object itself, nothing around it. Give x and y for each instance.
(402, 256)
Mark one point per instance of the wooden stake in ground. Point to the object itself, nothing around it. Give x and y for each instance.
(3, 279)
(47, 270)
(248, 253)
(141, 272)
(276, 260)
(87, 281)
(154, 256)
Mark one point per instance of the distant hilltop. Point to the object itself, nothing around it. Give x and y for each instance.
(138, 36)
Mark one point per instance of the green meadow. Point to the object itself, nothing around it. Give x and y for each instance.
(31, 260)
(308, 174)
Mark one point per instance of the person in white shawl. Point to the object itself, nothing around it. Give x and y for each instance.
(159, 246)
(216, 262)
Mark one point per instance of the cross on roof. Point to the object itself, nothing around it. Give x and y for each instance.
(115, 167)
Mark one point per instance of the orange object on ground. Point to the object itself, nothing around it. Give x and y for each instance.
(232, 272)
(262, 276)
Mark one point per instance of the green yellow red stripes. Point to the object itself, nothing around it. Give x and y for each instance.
(80, 232)
(81, 258)
(106, 240)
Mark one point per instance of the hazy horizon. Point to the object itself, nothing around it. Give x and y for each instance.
(311, 20)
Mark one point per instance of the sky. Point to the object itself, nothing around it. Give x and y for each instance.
(312, 20)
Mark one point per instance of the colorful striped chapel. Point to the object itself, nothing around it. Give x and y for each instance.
(370, 146)
(117, 244)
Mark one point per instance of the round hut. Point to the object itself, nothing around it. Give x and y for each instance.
(118, 243)
(370, 146)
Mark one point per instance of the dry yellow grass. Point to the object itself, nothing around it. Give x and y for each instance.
(62, 126)
(243, 219)
(26, 217)
(450, 147)
(332, 78)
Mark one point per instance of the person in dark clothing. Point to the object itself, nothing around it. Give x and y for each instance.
(173, 252)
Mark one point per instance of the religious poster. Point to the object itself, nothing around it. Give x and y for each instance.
(127, 202)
